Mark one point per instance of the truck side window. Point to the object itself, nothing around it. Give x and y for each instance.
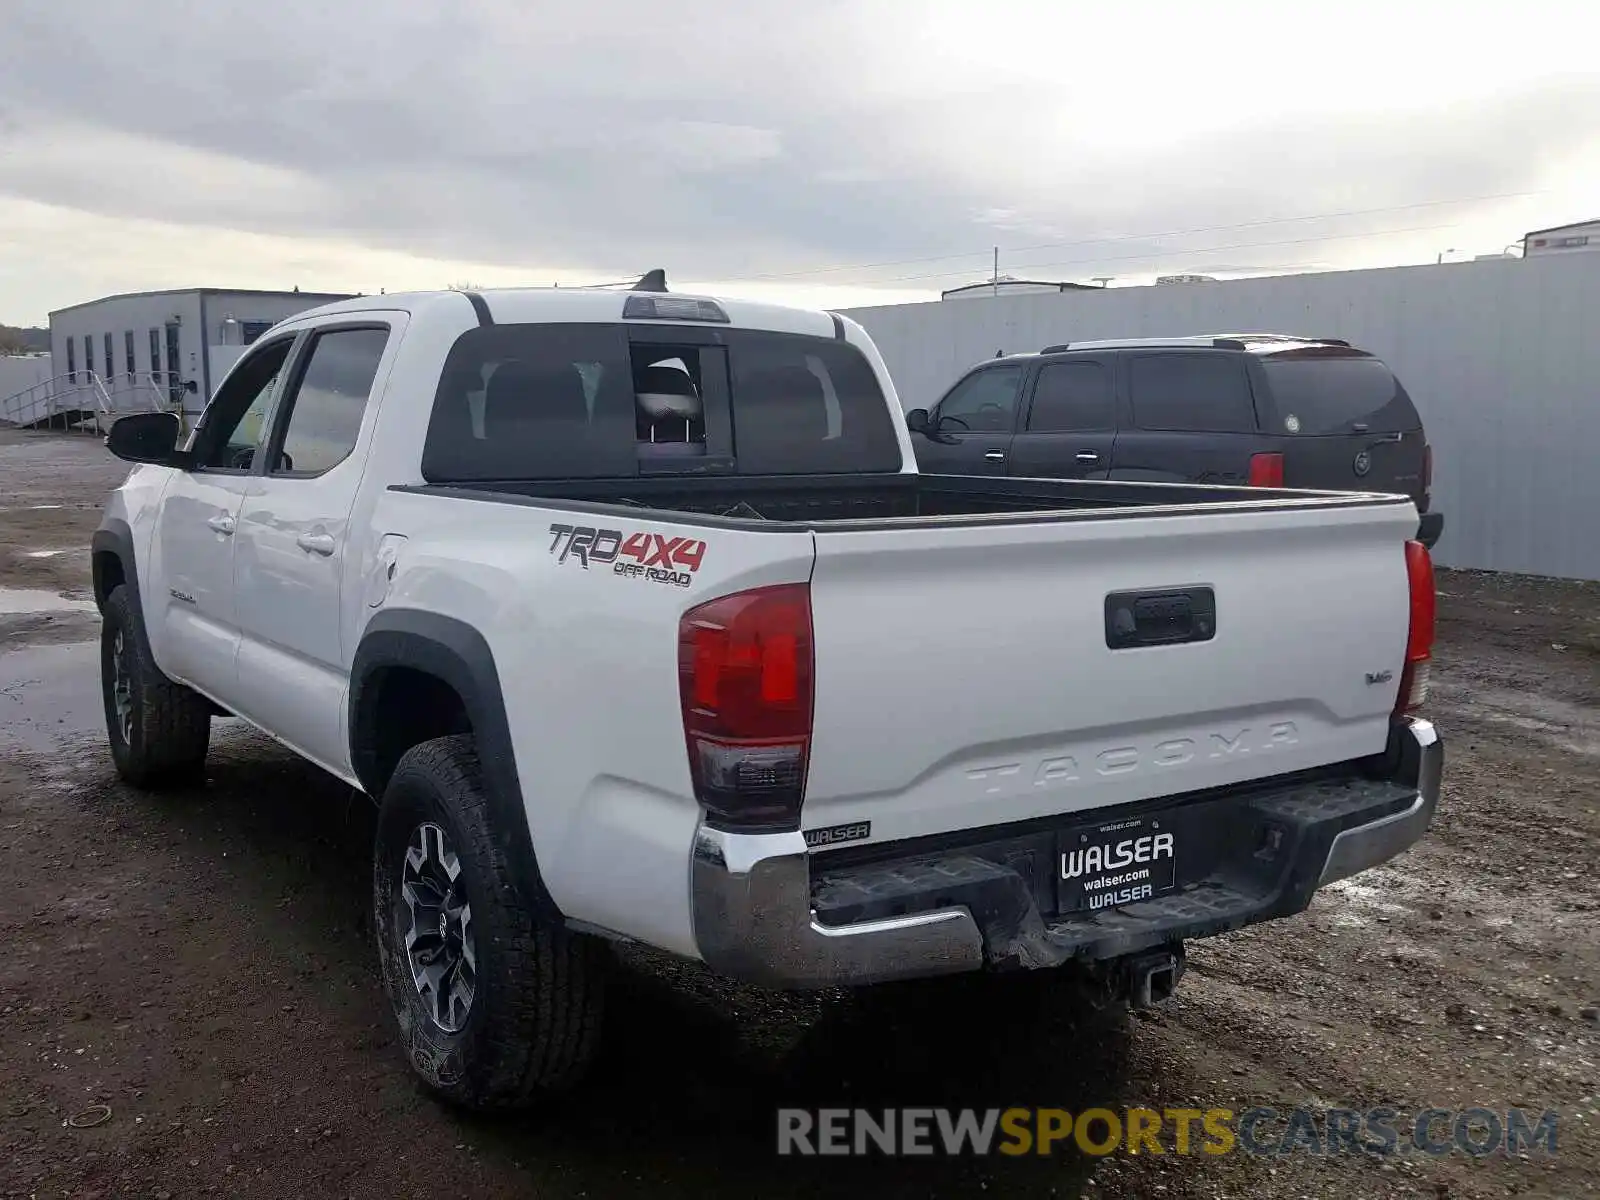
(983, 402)
(234, 425)
(1072, 397)
(328, 402)
(1202, 393)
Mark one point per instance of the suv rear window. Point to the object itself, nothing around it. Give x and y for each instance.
(549, 401)
(1329, 394)
(1207, 392)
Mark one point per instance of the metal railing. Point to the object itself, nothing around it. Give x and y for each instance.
(84, 401)
(146, 391)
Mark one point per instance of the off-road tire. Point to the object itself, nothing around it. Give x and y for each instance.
(167, 731)
(534, 1020)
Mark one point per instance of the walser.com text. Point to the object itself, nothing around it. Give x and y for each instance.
(1477, 1132)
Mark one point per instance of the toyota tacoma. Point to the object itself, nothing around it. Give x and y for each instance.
(635, 617)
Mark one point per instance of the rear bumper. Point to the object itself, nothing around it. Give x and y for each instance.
(1429, 528)
(768, 912)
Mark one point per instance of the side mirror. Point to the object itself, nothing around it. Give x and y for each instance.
(917, 420)
(150, 437)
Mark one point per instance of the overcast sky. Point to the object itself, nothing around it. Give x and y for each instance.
(348, 145)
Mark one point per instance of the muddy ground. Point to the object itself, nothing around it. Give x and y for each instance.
(201, 966)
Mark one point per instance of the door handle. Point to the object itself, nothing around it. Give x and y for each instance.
(316, 543)
(223, 525)
(1088, 456)
(995, 455)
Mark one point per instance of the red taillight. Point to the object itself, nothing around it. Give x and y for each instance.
(1266, 470)
(1419, 639)
(744, 676)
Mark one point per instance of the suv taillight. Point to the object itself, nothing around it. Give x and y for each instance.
(1419, 638)
(1266, 470)
(744, 679)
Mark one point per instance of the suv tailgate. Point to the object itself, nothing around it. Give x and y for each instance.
(1350, 423)
(964, 676)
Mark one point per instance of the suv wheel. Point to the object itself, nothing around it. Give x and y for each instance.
(496, 1007)
(159, 730)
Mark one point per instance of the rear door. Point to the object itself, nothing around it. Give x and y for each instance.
(1344, 421)
(293, 552)
(1190, 418)
(970, 430)
(1069, 424)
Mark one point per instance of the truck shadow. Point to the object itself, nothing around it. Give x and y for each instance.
(694, 1069)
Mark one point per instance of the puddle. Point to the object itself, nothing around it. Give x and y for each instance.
(50, 700)
(33, 600)
(49, 695)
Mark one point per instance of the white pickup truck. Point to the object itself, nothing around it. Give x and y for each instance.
(634, 615)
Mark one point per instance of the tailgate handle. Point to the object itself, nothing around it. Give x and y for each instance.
(1165, 618)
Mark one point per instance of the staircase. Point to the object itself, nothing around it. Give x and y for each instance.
(86, 402)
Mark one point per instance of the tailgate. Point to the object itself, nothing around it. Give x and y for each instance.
(964, 677)
(1367, 462)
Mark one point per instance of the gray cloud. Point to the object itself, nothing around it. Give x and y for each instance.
(719, 140)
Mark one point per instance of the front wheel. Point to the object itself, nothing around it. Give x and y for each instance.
(159, 730)
(496, 1007)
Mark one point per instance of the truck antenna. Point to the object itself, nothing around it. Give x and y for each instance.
(652, 281)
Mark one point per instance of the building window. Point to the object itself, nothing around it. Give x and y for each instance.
(155, 352)
(111, 360)
(127, 347)
(174, 382)
(251, 330)
(88, 357)
(72, 361)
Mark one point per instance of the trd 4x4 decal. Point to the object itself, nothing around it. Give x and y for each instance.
(657, 557)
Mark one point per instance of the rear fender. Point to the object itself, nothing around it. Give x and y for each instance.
(456, 654)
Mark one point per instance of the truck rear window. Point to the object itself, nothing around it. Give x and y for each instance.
(520, 402)
(1328, 394)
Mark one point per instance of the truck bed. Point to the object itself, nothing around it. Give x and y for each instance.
(987, 651)
(868, 501)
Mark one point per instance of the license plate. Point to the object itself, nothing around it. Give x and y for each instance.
(1118, 863)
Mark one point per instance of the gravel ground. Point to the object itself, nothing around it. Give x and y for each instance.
(201, 965)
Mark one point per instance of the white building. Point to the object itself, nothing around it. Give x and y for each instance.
(178, 344)
(1563, 239)
(21, 372)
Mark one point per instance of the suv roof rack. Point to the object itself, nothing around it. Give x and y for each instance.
(1204, 341)
(1289, 337)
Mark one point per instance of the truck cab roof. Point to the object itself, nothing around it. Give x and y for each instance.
(558, 305)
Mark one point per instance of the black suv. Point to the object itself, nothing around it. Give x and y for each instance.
(1262, 409)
